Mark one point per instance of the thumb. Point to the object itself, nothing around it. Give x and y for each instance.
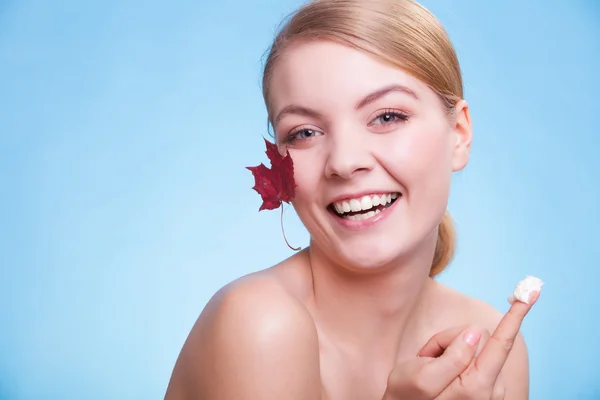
(456, 357)
(439, 342)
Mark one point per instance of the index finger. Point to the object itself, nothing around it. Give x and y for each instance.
(495, 352)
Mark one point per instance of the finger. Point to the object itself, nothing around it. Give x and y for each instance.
(485, 337)
(439, 342)
(456, 358)
(408, 379)
(496, 351)
(499, 389)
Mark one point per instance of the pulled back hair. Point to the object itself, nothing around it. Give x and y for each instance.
(399, 32)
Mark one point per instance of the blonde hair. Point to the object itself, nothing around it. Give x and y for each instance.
(399, 32)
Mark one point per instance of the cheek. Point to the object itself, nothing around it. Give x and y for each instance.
(307, 174)
(307, 177)
(420, 159)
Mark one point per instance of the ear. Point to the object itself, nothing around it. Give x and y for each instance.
(462, 133)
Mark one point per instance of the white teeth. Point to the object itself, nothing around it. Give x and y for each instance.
(358, 217)
(355, 205)
(345, 207)
(364, 203)
(338, 208)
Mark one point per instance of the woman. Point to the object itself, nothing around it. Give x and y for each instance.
(366, 97)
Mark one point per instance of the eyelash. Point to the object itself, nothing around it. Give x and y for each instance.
(401, 117)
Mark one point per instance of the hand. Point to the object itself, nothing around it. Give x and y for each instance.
(450, 367)
(438, 344)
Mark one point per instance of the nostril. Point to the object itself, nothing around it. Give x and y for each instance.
(345, 172)
(348, 158)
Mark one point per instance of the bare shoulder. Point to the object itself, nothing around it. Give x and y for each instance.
(253, 340)
(472, 311)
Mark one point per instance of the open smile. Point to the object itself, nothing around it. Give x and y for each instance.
(364, 210)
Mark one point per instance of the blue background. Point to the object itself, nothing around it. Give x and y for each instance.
(125, 128)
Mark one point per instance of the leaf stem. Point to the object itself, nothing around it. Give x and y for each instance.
(283, 231)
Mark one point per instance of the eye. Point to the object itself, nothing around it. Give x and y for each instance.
(302, 134)
(389, 117)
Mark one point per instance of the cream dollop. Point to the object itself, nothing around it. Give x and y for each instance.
(524, 289)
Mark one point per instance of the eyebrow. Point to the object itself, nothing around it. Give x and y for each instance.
(298, 110)
(376, 95)
(368, 99)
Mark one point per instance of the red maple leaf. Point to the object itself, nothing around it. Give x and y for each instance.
(276, 184)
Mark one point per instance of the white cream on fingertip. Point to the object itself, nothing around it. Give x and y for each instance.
(525, 288)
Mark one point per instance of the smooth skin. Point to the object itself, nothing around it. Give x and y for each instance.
(356, 315)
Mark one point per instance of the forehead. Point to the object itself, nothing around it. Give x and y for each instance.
(325, 73)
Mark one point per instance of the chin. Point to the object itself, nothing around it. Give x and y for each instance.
(372, 254)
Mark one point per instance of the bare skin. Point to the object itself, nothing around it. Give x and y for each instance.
(280, 350)
(356, 315)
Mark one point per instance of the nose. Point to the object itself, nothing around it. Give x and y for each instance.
(348, 156)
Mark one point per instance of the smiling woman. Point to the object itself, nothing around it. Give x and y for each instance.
(366, 97)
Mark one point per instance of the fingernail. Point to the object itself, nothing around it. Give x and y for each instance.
(533, 296)
(472, 338)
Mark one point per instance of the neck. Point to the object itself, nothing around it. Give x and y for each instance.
(373, 312)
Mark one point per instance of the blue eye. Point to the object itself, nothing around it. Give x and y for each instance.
(302, 134)
(305, 133)
(390, 117)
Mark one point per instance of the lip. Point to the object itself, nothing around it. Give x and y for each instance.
(355, 225)
(359, 195)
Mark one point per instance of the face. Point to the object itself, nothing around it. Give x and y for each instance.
(373, 151)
